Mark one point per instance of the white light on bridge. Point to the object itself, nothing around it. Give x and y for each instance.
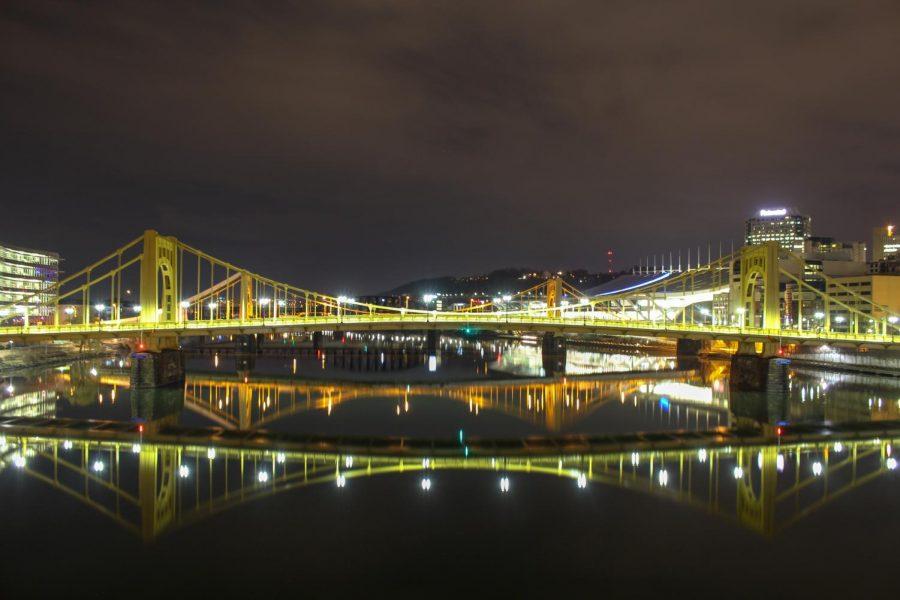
(891, 463)
(838, 447)
(93, 371)
(19, 461)
(893, 319)
(67, 445)
(426, 484)
(279, 457)
(184, 471)
(69, 310)
(582, 480)
(98, 466)
(663, 477)
(504, 484)
(348, 461)
(136, 448)
(635, 459)
(99, 307)
(10, 389)
(701, 455)
(817, 468)
(263, 476)
(738, 472)
(819, 314)
(779, 462)
(341, 481)
(185, 304)
(264, 301)
(211, 453)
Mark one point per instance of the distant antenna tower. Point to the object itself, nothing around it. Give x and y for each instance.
(609, 261)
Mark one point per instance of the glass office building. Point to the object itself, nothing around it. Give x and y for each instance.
(24, 275)
(778, 225)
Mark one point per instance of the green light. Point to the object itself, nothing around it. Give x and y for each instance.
(460, 436)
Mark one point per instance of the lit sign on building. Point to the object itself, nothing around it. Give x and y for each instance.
(774, 212)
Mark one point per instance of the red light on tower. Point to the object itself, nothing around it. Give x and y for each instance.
(609, 261)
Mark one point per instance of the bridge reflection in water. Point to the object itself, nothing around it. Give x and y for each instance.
(554, 404)
(151, 489)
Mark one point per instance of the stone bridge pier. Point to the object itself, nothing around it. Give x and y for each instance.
(157, 362)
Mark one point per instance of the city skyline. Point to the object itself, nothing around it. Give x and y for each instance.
(358, 147)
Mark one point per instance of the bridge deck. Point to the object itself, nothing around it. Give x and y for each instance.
(448, 321)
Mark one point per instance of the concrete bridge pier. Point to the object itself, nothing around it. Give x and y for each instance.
(156, 369)
(158, 362)
(246, 344)
(553, 355)
(432, 340)
(753, 371)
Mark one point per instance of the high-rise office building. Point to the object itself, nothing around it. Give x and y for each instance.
(790, 230)
(885, 243)
(24, 274)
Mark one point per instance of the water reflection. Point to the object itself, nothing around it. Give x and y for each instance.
(151, 489)
(272, 394)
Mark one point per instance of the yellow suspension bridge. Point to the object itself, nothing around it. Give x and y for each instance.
(182, 291)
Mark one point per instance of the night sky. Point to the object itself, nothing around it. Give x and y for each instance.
(350, 146)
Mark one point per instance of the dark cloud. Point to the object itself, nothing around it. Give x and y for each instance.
(353, 145)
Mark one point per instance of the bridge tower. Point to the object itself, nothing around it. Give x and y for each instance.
(554, 296)
(159, 279)
(159, 361)
(759, 268)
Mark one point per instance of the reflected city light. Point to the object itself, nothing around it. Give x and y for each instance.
(663, 477)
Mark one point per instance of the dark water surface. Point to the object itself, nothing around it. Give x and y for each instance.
(548, 535)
